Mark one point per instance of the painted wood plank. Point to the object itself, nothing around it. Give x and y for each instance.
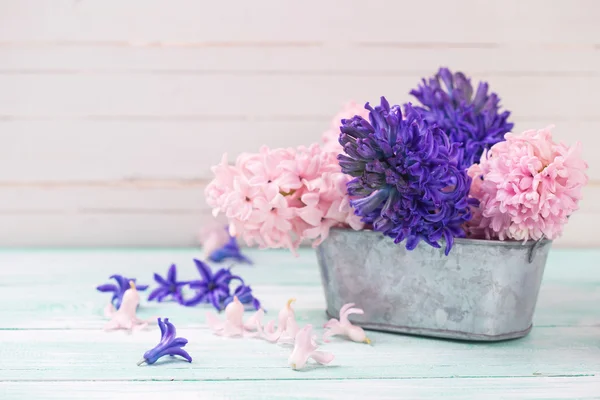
(271, 266)
(568, 296)
(55, 355)
(349, 59)
(315, 389)
(146, 228)
(223, 95)
(488, 22)
(183, 149)
(139, 149)
(120, 197)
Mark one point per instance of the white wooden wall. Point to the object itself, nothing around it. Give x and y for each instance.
(112, 111)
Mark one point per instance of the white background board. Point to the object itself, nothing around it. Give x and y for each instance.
(112, 111)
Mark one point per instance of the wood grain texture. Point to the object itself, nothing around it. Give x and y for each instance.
(343, 58)
(104, 197)
(271, 20)
(53, 345)
(315, 389)
(265, 94)
(156, 149)
(55, 355)
(129, 227)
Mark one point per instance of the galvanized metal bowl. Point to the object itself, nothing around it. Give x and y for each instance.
(483, 290)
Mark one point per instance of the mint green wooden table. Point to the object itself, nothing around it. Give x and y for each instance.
(52, 344)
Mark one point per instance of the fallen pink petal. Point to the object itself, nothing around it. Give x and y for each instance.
(125, 317)
(305, 348)
(344, 327)
(233, 324)
(285, 317)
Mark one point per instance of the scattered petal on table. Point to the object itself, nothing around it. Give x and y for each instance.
(305, 347)
(125, 317)
(169, 288)
(344, 327)
(234, 325)
(118, 289)
(285, 316)
(168, 345)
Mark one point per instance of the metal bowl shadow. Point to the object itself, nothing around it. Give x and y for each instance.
(484, 290)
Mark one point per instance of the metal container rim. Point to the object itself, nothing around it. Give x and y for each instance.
(462, 241)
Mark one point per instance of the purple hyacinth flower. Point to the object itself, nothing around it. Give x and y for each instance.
(168, 287)
(168, 345)
(230, 251)
(407, 180)
(119, 288)
(470, 119)
(212, 288)
(245, 296)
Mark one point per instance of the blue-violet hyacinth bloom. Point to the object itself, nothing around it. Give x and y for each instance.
(471, 119)
(168, 345)
(407, 181)
(168, 287)
(245, 296)
(230, 251)
(119, 288)
(212, 288)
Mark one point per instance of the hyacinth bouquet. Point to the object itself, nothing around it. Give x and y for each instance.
(429, 214)
(442, 168)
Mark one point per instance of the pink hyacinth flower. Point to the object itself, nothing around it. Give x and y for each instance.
(344, 327)
(286, 325)
(287, 336)
(527, 187)
(278, 198)
(267, 169)
(125, 317)
(291, 330)
(305, 347)
(305, 165)
(220, 188)
(234, 324)
(326, 202)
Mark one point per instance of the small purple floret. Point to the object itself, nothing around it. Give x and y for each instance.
(245, 296)
(168, 345)
(471, 119)
(407, 181)
(168, 287)
(212, 288)
(119, 289)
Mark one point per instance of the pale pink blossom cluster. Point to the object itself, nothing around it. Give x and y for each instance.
(527, 187)
(277, 198)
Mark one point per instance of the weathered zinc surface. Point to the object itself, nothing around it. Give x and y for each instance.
(482, 291)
